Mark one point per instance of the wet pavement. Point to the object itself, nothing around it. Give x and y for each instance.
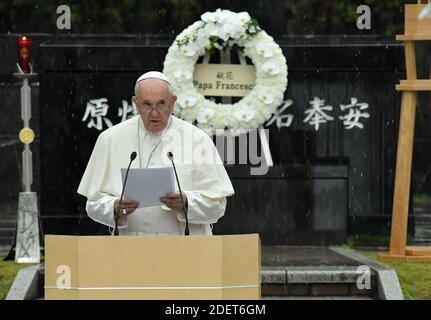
(303, 256)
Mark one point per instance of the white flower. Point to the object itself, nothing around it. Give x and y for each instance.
(257, 106)
(225, 17)
(239, 32)
(203, 38)
(213, 29)
(243, 17)
(212, 16)
(182, 75)
(216, 16)
(229, 30)
(217, 46)
(204, 115)
(186, 101)
(208, 17)
(266, 97)
(264, 49)
(271, 68)
(244, 114)
(190, 50)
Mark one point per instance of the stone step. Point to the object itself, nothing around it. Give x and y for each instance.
(422, 210)
(7, 222)
(422, 233)
(7, 230)
(423, 221)
(423, 242)
(315, 281)
(6, 243)
(4, 249)
(7, 238)
(422, 226)
(6, 227)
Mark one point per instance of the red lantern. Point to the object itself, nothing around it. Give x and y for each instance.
(24, 53)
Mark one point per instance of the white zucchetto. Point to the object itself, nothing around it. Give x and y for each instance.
(154, 75)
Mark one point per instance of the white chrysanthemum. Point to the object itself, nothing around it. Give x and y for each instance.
(244, 114)
(266, 97)
(204, 115)
(264, 49)
(271, 67)
(182, 75)
(186, 101)
(191, 49)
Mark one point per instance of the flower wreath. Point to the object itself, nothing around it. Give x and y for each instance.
(220, 30)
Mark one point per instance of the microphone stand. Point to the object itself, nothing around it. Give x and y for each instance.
(117, 214)
(186, 231)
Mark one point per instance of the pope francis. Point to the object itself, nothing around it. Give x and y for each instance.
(152, 134)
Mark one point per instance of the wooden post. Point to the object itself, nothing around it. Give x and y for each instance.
(414, 30)
(403, 174)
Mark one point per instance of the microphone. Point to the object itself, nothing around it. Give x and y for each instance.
(171, 157)
(117, 214)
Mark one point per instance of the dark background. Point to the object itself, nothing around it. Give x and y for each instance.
(325, 185)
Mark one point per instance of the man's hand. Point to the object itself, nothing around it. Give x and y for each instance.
(128, 206)
(173, 200)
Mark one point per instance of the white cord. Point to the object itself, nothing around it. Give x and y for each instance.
(160, 140)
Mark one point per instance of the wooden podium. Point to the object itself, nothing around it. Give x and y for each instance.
(152, 267)
(415, 30)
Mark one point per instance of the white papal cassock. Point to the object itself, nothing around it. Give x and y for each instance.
(200, 171)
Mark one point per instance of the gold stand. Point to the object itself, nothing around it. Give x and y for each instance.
(415, 30)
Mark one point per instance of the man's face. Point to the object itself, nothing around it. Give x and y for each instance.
(154, 104)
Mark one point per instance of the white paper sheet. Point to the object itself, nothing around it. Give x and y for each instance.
(148, 185)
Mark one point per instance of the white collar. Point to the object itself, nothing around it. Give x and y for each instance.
(152, 134)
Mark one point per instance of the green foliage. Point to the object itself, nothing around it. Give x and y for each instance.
(415, 278)
(172, 16)
(251, 29)
(422, 198)
(8, 271)
(367, 240)
(339, 17)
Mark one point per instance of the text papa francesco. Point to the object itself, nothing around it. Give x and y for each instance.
(223, 86)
